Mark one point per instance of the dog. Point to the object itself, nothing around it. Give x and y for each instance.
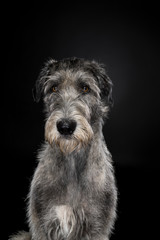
(73, 194)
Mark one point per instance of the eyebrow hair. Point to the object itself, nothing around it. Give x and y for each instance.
(79, 78)
(89, 81)
(52, 80)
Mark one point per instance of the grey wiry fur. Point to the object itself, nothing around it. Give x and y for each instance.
(73, 194)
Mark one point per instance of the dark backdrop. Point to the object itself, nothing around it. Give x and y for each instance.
(125, 37)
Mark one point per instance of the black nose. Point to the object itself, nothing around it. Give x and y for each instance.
(66, 127)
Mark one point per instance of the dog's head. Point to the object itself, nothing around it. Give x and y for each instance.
(77, 94)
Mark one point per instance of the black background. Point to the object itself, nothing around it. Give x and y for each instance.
(123, 36)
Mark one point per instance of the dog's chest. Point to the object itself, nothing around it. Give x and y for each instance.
(71, 180)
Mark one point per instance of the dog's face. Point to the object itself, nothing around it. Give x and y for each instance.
(77, 95)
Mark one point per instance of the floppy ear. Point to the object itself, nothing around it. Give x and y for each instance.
(42, 78)
(104, 83)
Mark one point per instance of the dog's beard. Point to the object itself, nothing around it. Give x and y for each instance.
(80, 138)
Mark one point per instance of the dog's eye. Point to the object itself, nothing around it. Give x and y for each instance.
(54, 88)
(85, 89)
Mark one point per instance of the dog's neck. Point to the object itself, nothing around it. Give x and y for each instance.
(73, 165)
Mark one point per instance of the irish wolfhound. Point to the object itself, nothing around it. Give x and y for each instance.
(73, 194)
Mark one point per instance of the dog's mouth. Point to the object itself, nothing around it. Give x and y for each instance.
(68, 146)
(68, 134)
(67, 137)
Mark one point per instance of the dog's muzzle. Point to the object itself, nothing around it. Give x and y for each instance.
(68, 133)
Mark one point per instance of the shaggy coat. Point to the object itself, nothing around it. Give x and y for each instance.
(73, 194)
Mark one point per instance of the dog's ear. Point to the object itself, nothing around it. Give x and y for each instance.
(104, 83)
(42, 78)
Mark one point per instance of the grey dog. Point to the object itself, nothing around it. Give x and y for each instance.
(73, 195)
